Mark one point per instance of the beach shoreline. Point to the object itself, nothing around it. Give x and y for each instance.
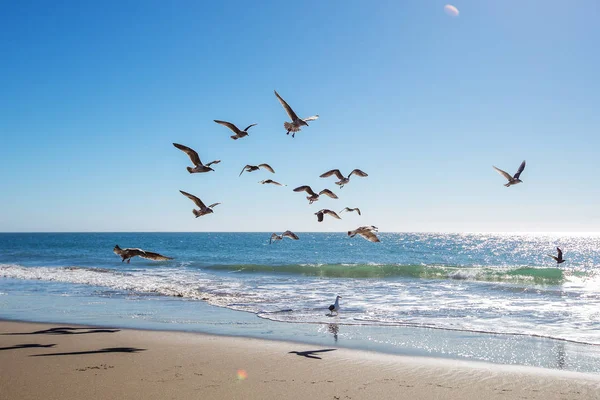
(73, 361)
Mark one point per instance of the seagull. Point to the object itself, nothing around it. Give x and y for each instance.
(288, 234)
(128, 254)
(272, 182)
(335, 306)
(320, 214)
(350, 210)
(366, 232)
(198, 166)
(296, 123)
(203, 209)
(238, 134)
(250, 168)
(559, 259)
(342, 181)
(314, 196)
(512, 180)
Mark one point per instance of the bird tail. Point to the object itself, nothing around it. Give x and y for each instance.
(190, 170)
(507, 184)
(290, 127)
(234, 137)
(196, 213)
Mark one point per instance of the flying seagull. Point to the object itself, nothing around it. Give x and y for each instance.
(128, 254)
(342, 180)
(271, 181)
(238, 133)
(288, 234)
(350, 210)
(335, 306)
(559, 259)
(250, 168)
(366, 232)
(296, 123)
(203, 209)
(512, 180)
(314, 196)
(321, 213)
(198, 166)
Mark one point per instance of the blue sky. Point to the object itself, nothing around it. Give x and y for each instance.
(93, 94)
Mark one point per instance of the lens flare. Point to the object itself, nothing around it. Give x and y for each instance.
(451, 10)
(241, 374)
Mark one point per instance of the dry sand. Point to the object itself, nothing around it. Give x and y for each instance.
(40, 361)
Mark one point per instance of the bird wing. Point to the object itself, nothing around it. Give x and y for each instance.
(213, 162)
(555, 258)
(521, 168)
(306, 189)
(213, 205)
(370, 236)
(345, 209)
(290, 234)
(559, 253)
(358, 172)
(288, 109)
(191, 154)
(274, 236)
(249, 126)
(267, 167)
(229, 125)
(154, 256)
(311, 118)
(196, 200)
(358, 211)
(243, 169)
(332, 213)
(503, 173)
(273, 182)
(333, 171)
(328, 193)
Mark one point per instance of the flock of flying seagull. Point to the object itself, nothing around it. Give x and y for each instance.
(367, 232)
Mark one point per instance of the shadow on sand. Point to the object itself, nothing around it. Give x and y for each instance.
(26, 346)
(101, 351)
(65, 330)
(310, 353)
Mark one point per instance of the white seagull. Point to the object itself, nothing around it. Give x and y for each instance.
(250, 168)
(335, 306)
(238, 133)
(288, 234)
(203, 208)
(366, 232)
(314, 196)
(512, 180)
(296, 123)
(198, 166)
(343, 180)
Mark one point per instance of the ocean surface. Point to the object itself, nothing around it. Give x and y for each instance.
(475, 284)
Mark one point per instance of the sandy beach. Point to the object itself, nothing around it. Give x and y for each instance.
(53, 361)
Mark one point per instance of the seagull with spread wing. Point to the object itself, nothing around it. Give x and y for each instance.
(288, 234)
(128, 254)
(559, 259)
(250, 168)
(272, 182)
(512, 180)
(350, 210)
(203, 209)
(367, 232)
(238, 133)
(343, 180)
(198, 166)
(296, 123)
(321, 214)
(314, 196)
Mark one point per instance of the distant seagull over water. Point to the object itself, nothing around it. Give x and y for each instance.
(198, 166)
(128, 254)
(250, 168)
(335, 306)
(203, 209)
(296, 123)
(288, 234)
(314, 196)
(559, 259)
(238, 133)
(366, 232)
(321, 213)
(512, 180)
(342, 180)
(350, 210)
(271, 181)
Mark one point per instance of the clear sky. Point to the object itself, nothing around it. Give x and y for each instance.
(92, 94)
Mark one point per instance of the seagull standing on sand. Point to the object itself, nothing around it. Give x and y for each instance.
(367, 232)
(198, 166)
(288, 234)
(350, 210)
(342, 180)
(296, 123)
(238, 133)
(271, 181)
(250, 168)
(512, 180)
(321, 213)
(128, 254)
(335, 306)
(314, 196)
(559, 259)
(203, 209)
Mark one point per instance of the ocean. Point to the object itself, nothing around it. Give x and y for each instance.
(488, 297)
